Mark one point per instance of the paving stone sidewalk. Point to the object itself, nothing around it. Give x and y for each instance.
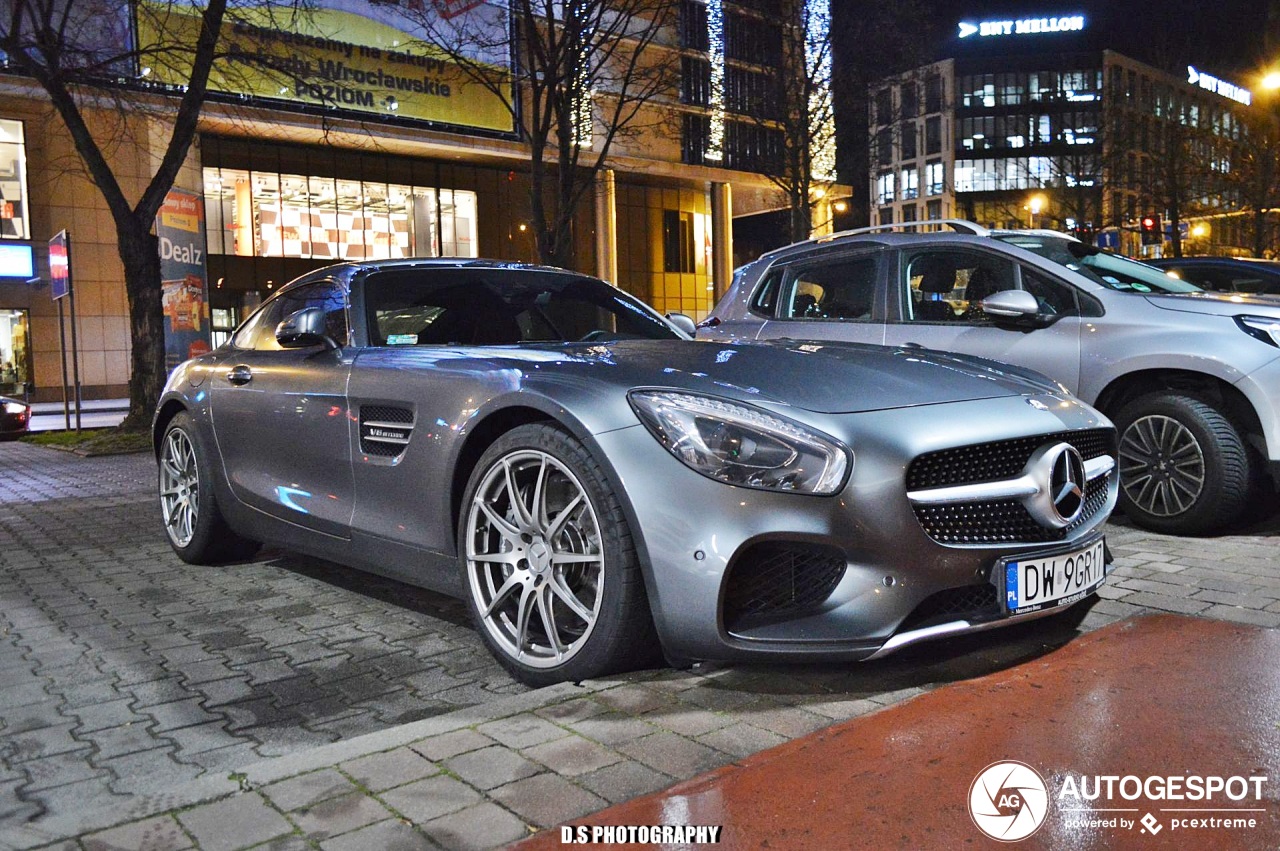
(126, 672)
(497, 764)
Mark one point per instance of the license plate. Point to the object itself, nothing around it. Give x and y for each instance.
(1042, 582)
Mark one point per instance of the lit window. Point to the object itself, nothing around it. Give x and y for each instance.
(15, 220)
(264, 214)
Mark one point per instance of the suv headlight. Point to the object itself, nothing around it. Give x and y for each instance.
(741, 445)
(1264, 328)
(14, 407)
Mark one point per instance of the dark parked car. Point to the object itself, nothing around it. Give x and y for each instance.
(15, 418)
(593, 482)
(1226, 274)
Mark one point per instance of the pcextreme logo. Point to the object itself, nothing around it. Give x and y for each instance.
(1008, 801)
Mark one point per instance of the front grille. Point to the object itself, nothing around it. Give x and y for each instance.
(385, 430)
(777, 579)
(953, 604)
(1006, 520)
(1001, 459)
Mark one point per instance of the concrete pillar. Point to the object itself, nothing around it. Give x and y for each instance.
(721, 237)
(606, 226)
(821, 221)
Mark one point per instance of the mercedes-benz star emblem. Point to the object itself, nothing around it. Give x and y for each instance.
(1067, 483)
(1058, 471)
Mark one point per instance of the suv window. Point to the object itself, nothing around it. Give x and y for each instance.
(1110, 270)
(843, 290)
(947, 285)
(260, 332)
(766, 297)
(1054, 297)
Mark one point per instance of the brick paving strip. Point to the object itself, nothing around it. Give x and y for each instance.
(136, 687)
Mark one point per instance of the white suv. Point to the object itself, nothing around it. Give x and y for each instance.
(1191, 378)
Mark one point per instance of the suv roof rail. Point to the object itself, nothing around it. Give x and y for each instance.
(957, 225)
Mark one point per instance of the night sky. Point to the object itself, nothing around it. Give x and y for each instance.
(1226, 36)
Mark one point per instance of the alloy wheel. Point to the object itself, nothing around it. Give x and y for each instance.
(534, 558)
(179, 487)
(1162, 465)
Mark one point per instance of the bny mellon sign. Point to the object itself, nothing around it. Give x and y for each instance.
(352, 55)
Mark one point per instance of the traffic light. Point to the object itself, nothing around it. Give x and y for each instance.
(1152, 233)
(1084, 232)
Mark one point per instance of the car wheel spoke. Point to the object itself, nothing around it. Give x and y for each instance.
(566, 595)
(523, 610)
(548, 622)
(575, 558)
(512, 582)
(524, 520)
(555, 526)
(500, 523)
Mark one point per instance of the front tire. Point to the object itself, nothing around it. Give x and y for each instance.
(1184, 466)
(189, 510)
(552, 576)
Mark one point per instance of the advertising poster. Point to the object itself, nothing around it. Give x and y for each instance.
(355, 55)
(180, 228)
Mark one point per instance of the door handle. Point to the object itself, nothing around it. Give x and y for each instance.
(240, 375)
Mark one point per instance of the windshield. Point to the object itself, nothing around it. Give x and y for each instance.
(1110, 270)
(488, 307)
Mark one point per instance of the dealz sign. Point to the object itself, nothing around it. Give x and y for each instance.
(180, 229)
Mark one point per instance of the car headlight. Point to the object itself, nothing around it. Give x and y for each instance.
(1264, 328)
(741, 445)
(14, 407)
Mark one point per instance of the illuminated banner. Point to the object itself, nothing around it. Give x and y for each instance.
(1026, 26)
(1221, 87)
(60, 266)
(368, 56)
(180, 229)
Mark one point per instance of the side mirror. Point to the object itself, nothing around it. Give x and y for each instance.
(682, 322)
(304, 328)
(1011, 304)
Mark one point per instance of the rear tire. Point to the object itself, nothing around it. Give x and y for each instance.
(553, 580)
(1184, 466)
(193, 523)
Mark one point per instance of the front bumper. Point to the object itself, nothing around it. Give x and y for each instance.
(693, 532)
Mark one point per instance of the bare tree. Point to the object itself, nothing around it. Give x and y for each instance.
(94, 72)
(583, 72)
(796, 111)
(1255, 175)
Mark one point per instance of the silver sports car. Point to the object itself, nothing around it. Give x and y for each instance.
(598, 486)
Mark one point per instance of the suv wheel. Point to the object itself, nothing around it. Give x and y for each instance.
(1184, 467)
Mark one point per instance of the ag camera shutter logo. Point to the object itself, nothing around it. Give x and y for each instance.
(1008, 801)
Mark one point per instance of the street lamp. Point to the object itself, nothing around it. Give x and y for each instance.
(1034, 204)
(1271, 80)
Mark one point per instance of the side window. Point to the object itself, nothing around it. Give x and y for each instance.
(766, 297)
(844, 290)
(946, 286)
(260, 332)
(1054, 297)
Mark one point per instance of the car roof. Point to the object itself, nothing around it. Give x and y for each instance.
(906, 234)
(345, 270)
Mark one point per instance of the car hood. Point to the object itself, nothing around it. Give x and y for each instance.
(828, 378)
(1218, 304)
